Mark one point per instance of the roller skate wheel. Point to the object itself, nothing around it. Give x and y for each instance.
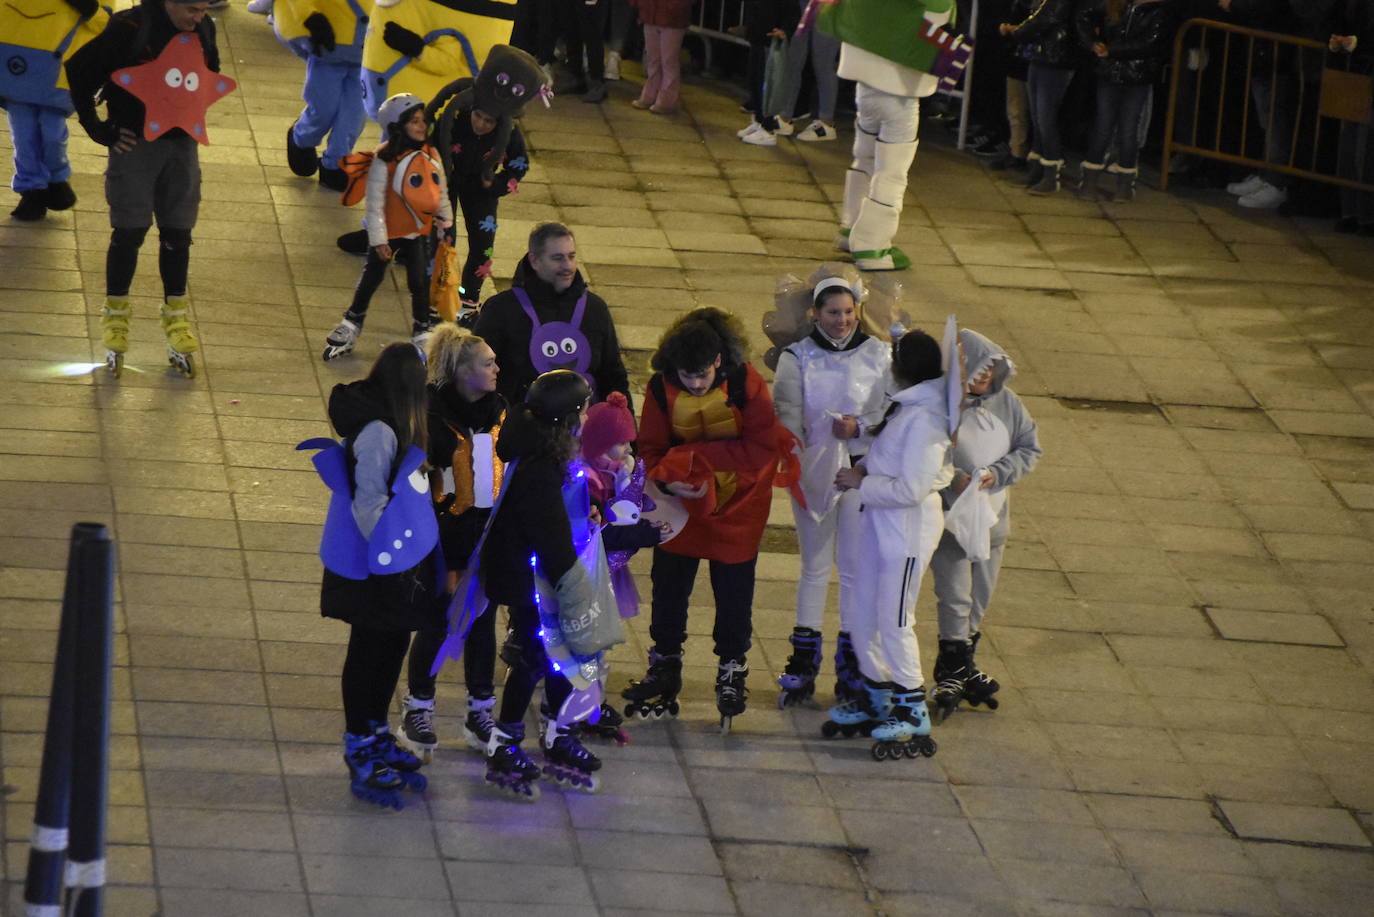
(114, 362)
(830, 729)
(992, 703)
(673, 708)
(880, 751)
(725, 725)
(928, 747)
(415, 782)
(182, 363)
(910, 750)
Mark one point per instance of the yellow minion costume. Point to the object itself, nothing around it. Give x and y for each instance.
(38, 38)
(420, 46)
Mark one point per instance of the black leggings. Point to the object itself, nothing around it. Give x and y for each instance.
(371, 670)
(414, 255)
(478, 206)
(582, 28)
(479, 657)
(528, 664)
(173, 260)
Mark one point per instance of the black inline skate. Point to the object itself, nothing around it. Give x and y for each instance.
(607, 726)
(657, 694)
(731, 694)
(952, 669)
(479, 722)
(798, 680)
(980, 687)
(566, 762)
(508, 767)
(370, 778)
(417, 727)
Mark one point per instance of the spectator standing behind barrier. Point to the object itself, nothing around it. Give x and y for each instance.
(1273, 88)
(1351, 23)
(549, 320)
(665, 23)
(824, 52)
(1018, 100)
(1130, 41)
(764, 21)
(1048, 32)
(582, 23)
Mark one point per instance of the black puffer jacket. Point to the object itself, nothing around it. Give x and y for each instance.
(1048, 33)
(1138, 45)
(531, 518)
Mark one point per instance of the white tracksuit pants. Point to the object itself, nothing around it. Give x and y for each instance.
(834, 540)
(882, 619)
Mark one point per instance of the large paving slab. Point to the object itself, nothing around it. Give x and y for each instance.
(1184, 629)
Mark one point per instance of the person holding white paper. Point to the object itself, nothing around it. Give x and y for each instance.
(996, 446)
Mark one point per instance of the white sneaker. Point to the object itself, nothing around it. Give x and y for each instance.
(784, 127)
(1265, 197)
(612, 66)
(1246, 185)
(753, 125)
(761, 137)
(261, 7)
(817, 131)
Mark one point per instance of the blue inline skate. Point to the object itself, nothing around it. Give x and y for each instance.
(905, 726)
(851, 715)
(370, 778)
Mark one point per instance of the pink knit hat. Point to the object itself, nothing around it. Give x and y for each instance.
(607, 423)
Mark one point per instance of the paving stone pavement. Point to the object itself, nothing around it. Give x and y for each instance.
(1183, 632)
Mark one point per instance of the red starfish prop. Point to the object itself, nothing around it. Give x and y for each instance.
(176, 88)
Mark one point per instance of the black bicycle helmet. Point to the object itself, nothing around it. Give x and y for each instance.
(557, 394)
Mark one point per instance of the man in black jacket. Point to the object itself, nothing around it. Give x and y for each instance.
(146, 178)
(549, 320)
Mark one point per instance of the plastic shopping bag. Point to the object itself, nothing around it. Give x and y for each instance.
(970, 520)
(583, 603)
(775, 79)
(443, 282)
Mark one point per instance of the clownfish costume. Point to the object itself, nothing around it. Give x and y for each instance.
(414, 192)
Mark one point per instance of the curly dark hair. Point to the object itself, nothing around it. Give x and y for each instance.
(694, 340)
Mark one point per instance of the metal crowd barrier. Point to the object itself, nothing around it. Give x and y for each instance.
(718, 20)
(1303, 101)
(67, 846)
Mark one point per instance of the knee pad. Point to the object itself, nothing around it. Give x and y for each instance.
(175, 239)
(128, 237)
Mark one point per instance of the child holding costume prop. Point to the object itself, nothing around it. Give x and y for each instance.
(534, 558)
(406, 198)
(996, 446)
(898, 483)
(709, 437)
(829, 390)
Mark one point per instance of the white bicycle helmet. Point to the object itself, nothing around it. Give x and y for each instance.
(393, 109)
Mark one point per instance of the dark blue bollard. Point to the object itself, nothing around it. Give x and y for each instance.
(72, 788)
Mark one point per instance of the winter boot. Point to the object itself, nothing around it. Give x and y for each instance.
(1125, 184)
(1087, 188)
(61, 196)
(417, 727)
(1035, 171)
(798, 680)
(479, 723)
(33, 206)
(303, 160)
(1049, 178)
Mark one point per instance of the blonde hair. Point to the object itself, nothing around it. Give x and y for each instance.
(451, 347)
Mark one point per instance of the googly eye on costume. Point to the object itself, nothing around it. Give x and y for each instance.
(173, 78)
